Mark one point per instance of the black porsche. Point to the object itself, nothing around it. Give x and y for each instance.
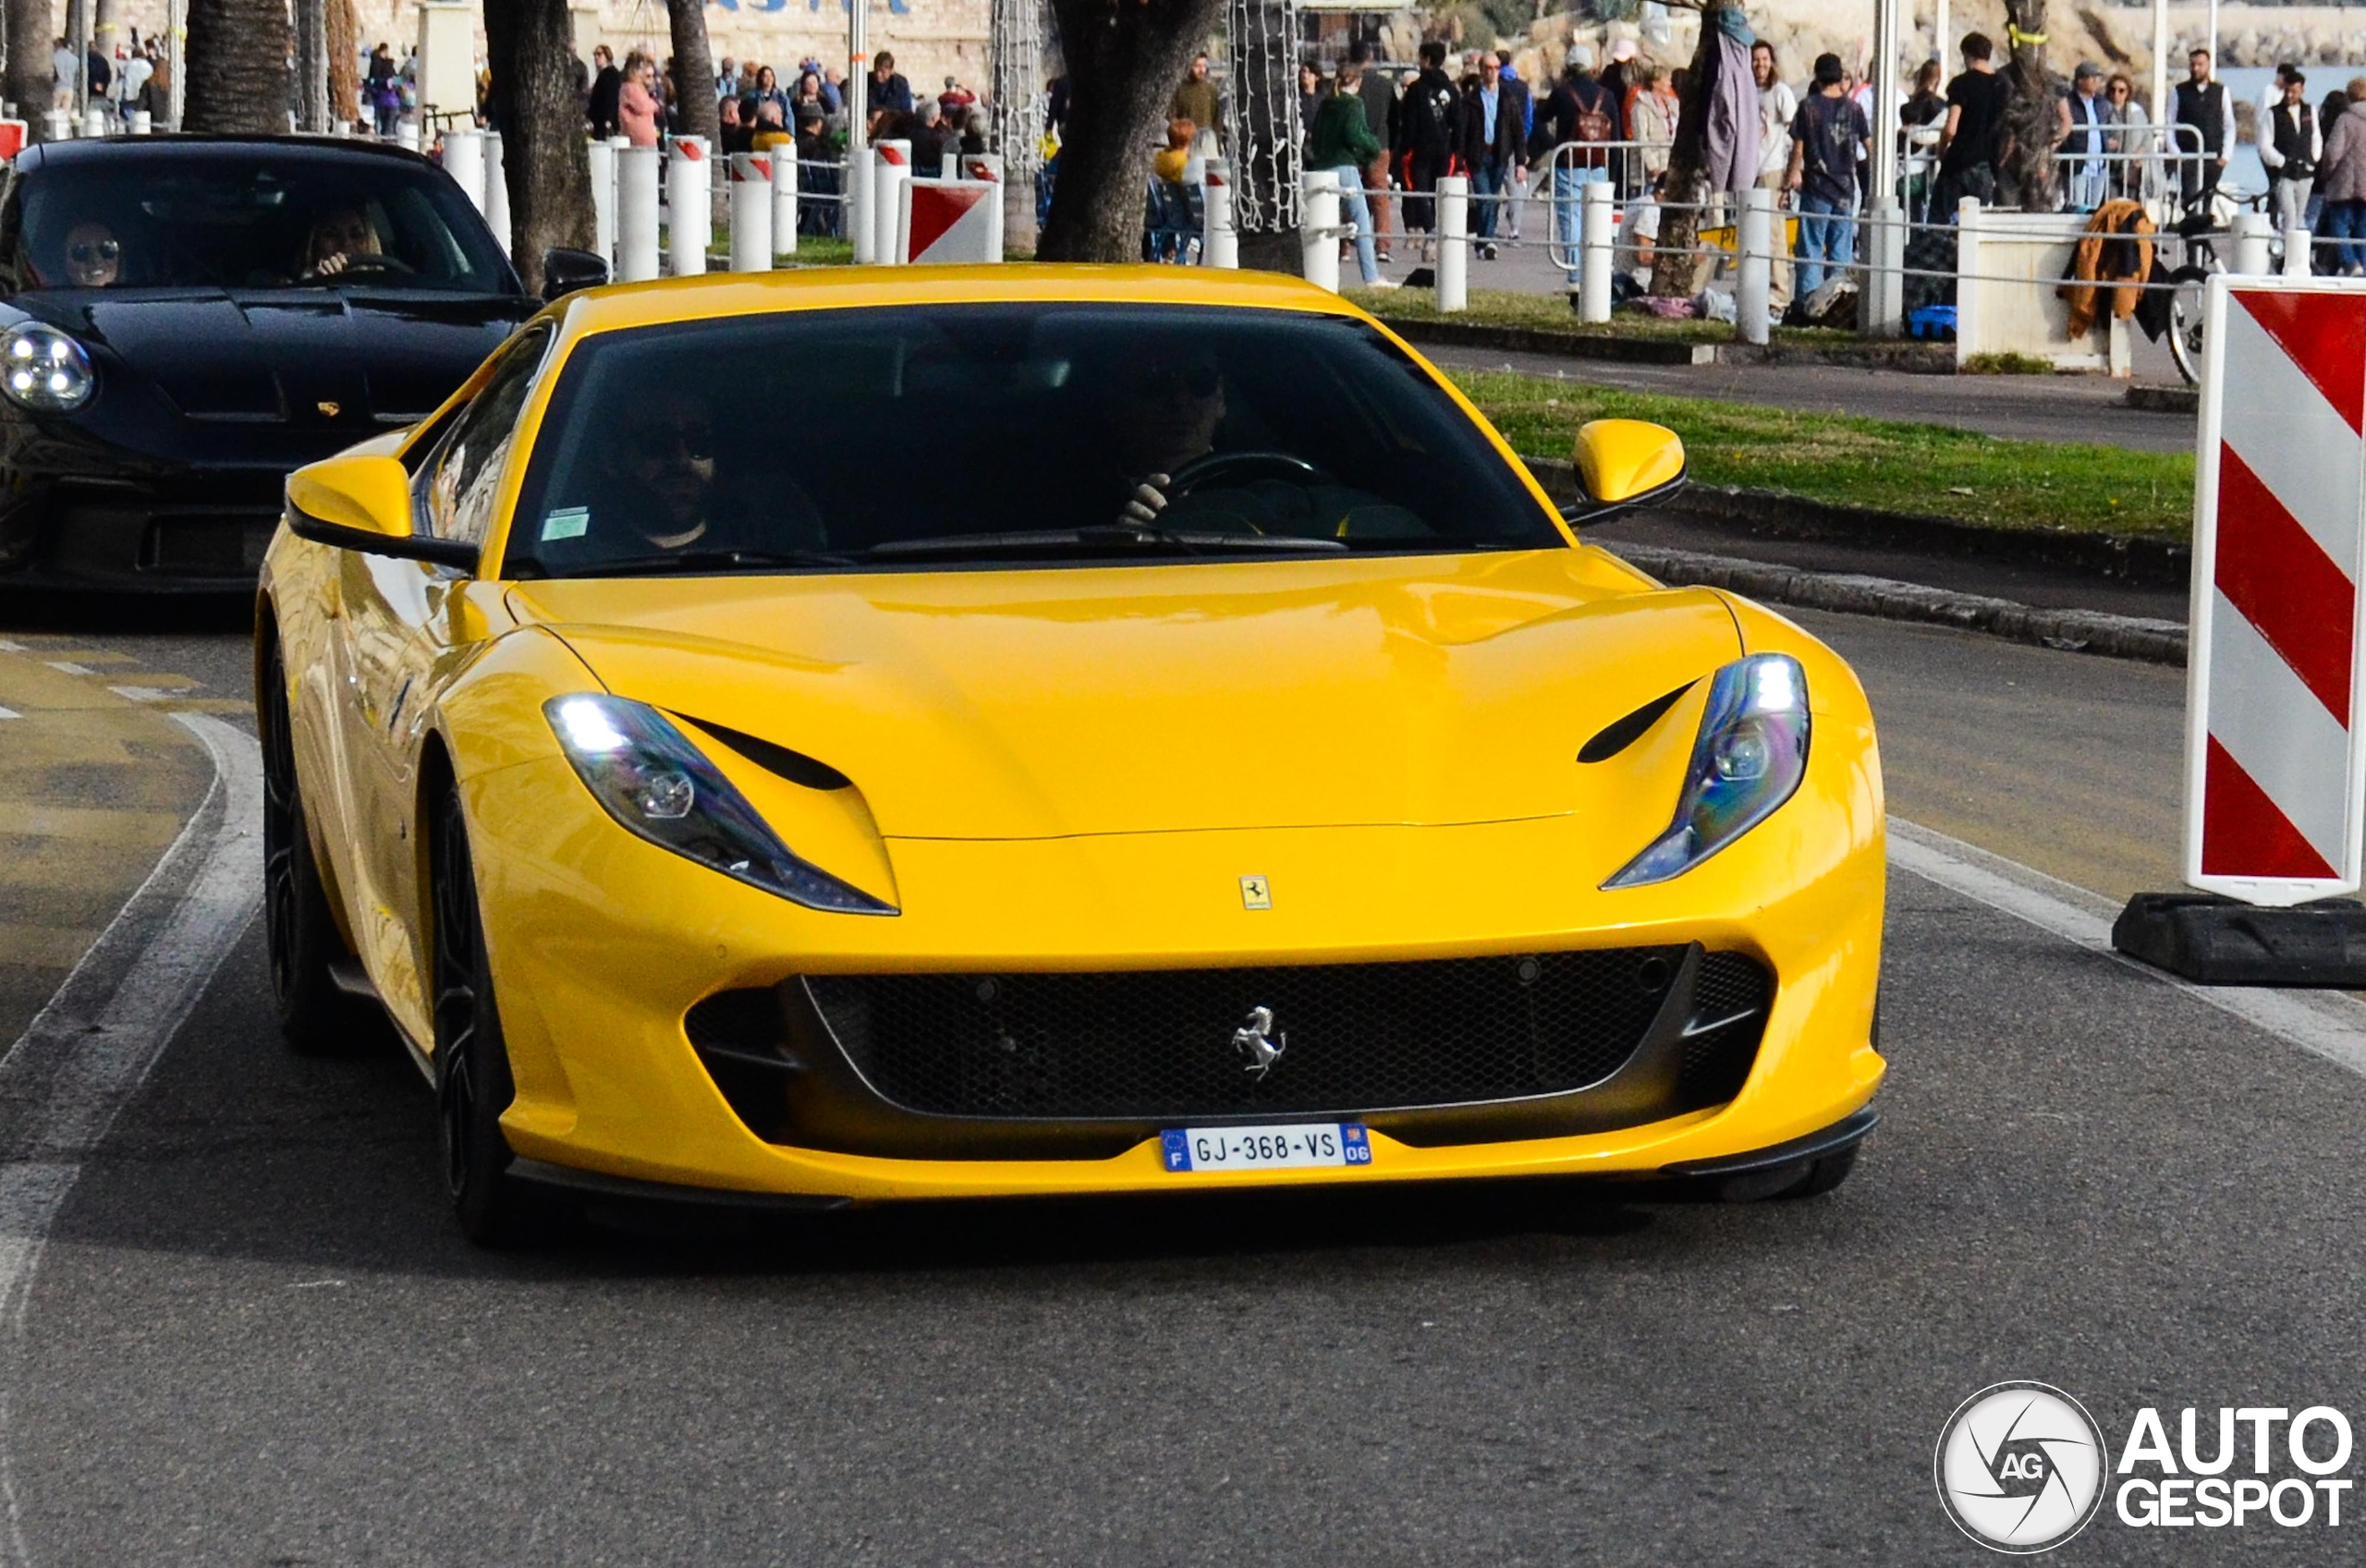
(183, 320)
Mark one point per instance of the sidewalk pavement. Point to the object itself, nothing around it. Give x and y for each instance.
(2079, 408)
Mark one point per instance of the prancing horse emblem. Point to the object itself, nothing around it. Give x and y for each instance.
(1251, 1037)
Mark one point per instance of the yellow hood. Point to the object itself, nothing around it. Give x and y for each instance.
(1035, 704)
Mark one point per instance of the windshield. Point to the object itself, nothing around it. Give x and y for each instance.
(827, 439)
(248, 220)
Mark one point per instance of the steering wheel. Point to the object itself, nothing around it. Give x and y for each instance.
(373, 263)
(1221, 468)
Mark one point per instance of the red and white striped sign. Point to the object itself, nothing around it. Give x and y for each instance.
(941, 221)
(2276, 771)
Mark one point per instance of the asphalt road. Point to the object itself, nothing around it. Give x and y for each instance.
(254, 1337)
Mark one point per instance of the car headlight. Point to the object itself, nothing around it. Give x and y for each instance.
(1750, 757)
(44, 369)
(649, 776)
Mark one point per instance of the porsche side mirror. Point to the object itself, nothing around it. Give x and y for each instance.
(1624, 463)
(364, 504)
(566, 271)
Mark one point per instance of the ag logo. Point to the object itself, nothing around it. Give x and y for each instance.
(2020, 1468)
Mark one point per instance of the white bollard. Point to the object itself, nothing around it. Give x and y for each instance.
(1219, 241)
(1597, 231)
(57, 125)
(94, 122)
(1453, 244)
(2296, 253)
(497, 190)
(949, 165)
(142, 123)
(1885, 292)
(1319, 228)
(464, 161)
(973, 165)
(407, 135)
(855, 219)
(1756, 245)
(602, 159)
(1970, 240)
(686, 206)
(751, 216)
(636, 183)
(2251, 233)
(891, 166)
(783, 158)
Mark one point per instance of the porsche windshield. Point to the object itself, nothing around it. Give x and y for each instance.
(243, 221)
(933, 434)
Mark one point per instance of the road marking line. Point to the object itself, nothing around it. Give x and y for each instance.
(140, 693)
(116, 1042)
(2329, 1024)
(9, 714)
(8, 646)
(68, 667)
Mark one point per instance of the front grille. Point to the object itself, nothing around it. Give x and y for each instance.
(209, 545)
(1356, 1037)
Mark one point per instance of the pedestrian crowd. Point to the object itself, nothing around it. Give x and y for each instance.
(132, 78)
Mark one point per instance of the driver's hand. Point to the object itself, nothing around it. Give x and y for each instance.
(1148, 501)
(330, 266)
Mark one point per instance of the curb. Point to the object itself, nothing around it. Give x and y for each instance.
(2164, 399)
(1913, 359)
(2147, 559)
(2070, 631)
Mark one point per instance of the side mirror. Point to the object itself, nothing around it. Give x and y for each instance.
(1624, 463)
(565, 270)
(364, 504)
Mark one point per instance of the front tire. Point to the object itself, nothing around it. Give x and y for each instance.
(473, 1080)
(300, 932)
(1824, 1175)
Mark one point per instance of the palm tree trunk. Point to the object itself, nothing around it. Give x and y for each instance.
(237, 67)
(693, 70)
(1676, 271)
(530, 47)
(1123, 60)
(311, 66)
(345, 70)
(2031, 117)
(30, 27)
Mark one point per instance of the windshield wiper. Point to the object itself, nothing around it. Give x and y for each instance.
(707, 561)
(1115, 536)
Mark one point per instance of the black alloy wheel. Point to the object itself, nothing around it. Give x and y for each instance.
(300, 932)
(473, 1082)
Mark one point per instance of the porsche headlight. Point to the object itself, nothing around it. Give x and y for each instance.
(649, 776)
(44, 369)
(1751, 752)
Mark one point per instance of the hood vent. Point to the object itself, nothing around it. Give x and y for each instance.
(793, 766)
(227, 395)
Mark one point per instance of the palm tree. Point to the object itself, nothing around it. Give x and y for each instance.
(529, 48)
(31, 25)
(693, 70)
(237, 65)
(1124, 58)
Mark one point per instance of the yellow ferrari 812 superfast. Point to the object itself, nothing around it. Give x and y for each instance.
(853, 735)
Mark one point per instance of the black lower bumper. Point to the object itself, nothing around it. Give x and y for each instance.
(204, 532)
(793, 1081)
(1781, 1157)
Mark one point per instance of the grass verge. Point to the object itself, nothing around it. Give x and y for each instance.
(1931, 470)
(1550, 312)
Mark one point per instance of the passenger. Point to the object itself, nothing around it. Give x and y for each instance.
(669, 491)
(93, 256)
(340, 236)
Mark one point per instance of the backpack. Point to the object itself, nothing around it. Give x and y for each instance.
(1594, 121)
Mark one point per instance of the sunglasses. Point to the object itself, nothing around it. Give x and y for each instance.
(1200, 381)
(86, 253)
(694, 441)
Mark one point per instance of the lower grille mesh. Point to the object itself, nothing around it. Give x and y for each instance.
(1355, 1037)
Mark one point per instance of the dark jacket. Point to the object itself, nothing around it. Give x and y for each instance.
(1509, 144)
(1427, 117)
(1557, 119)
(601, 111)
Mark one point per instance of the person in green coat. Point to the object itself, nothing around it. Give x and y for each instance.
(1342, 142)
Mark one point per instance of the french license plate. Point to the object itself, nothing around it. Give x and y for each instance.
(1289, 1148)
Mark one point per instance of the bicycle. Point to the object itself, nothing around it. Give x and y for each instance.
(2199, 234)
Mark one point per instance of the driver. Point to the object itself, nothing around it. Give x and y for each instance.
(340, 236)
(1163, 416)
(93, 256)
(663, 468)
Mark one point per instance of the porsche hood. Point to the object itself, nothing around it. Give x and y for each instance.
(1423, 690)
